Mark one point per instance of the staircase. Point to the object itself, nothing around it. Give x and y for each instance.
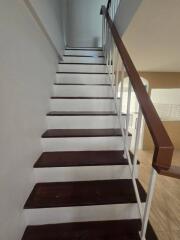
(84, 189)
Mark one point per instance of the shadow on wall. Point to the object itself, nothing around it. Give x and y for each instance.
(50, 15)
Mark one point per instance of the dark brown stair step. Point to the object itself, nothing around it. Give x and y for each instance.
(105, 230)
(62, 133)
(81, 158)
(82, 113)
(82, 98)
(82, 56)
(82, 84)
(61, 63)
(82, 73)
(84, 193)
(85, 49)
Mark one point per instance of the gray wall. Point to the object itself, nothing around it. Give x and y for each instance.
(125, 13)
(84, 23)
(52, 14)
(27, 68)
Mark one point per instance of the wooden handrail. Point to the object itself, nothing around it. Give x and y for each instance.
(163, 153)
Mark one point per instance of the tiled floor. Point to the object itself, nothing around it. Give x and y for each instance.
(165, 211)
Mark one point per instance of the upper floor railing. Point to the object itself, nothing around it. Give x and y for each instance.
(119, 65)
(112, 6)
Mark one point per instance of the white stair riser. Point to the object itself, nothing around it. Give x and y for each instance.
(85, 173)
(82, 144)
(82, 213)
(82, 105)
(82, 68)
(82, 78)
(82, 91)
(73, 59)
(83, 53)
(83, 122)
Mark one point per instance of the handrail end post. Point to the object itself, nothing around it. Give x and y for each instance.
(162, 158)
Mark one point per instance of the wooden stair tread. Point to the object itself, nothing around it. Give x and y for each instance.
(101, 64)
(82, 113)
(83, 56)
(62, 133)
(85, 49)
(101, 230)
(86, 231)
(81, 158)
(59, 72)
(82, 98)
(84, 193)
(82, 84)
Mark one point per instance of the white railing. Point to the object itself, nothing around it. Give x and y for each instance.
(117, 73)
(114, 4)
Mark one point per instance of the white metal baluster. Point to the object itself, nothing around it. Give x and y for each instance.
(103, 31)
(107, 35)
(135, 163)
(138, 197)
(113, 67)
(121, 88)
(108, 50)
(116, 74)
(127, 125)
(119, 110)
(112, 59)
(110, 62)
(107, 57)
(138, 131)
(111, 79)
(114, 10)
(150, 193)
(121, 101)
(111, 10)
(105, 40)
(115, 7)
(118, 2)
(124, 138)
(107, 46)
(126, 150)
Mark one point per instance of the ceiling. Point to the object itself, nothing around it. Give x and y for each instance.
(153, 36)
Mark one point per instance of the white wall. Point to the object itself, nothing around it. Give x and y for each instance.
(153, 36)
(52, 14)
(27, 68)
(125, 14)
(84, 23)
